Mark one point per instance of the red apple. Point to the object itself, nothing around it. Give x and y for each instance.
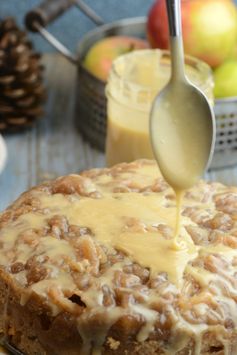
(100, 56)
(209, 28)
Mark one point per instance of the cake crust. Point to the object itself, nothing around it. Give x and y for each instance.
(71, 284)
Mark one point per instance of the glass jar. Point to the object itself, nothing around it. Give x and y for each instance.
(135, 80)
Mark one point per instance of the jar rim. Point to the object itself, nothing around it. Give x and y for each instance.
(194, 62)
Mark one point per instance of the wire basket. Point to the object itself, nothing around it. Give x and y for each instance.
(90, 109)
(225, 153)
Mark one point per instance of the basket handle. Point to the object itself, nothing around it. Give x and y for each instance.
(49, 10)
(45, 13)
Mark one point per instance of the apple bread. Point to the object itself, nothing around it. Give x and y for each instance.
(88, 265)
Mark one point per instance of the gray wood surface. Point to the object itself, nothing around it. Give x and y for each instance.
(54, 147)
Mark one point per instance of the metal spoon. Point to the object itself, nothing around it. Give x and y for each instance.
(182, 122)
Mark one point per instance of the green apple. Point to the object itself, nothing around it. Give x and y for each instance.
(225, 77)
(100, 56)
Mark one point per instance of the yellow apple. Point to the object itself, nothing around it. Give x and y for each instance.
(100, 56)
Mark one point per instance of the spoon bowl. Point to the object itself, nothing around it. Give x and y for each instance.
(182, 127)
(182, 122)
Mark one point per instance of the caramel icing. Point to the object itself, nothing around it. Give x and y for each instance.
(149, 249)
(128, 210)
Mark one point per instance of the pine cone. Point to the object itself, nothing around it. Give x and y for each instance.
(21, 88)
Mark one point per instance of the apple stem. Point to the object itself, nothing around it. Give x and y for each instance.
(129, 49)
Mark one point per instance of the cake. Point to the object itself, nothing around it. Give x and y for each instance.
(87, 266)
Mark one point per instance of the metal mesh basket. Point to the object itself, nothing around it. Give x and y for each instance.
(90, 114)
(226, 138)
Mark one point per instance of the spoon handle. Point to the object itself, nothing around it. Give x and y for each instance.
(176, 40)
(174, 17)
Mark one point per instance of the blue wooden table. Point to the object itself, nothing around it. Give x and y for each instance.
(54, 147)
